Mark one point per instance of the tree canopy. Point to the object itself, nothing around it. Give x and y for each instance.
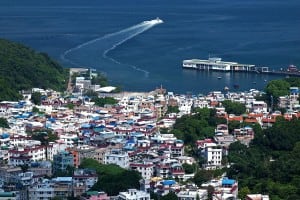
(103, 101)
(271, 165)
(111, 177)
(197, 126)
(234, 107)
(22, 68)
(173, 109)
(281, 87)
(3, 123)
(36, 98)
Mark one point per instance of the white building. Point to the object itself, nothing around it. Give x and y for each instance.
(68, 139)
(25, 155)
(213, 157)
(41, 191)
(133, 194)
(192, 195)
(146, 170)
(117, 157)
(54, 148)
(259, 107)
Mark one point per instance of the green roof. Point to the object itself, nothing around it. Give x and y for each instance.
(7, 194)
(92, 192)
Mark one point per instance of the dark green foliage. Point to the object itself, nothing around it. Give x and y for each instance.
(36, 98)
(234, 107)
(24, 167)
(210, 192)
(169, 196)
(100, 79)
(103, 101)
(203, 176)
(233, 125)
(173, 109)
(271, 164)
(164, 130)
(112, 178)
(3, 123)
(65, 173)
(35, 110)
(154, 195)
(22, 68)
(293, 81)
(189, 169)
(44, 136)
(91, 94)
(198, 126)
(70, 106)
(278, 88)
(118, 89)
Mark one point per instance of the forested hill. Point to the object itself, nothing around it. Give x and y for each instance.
(22, 68)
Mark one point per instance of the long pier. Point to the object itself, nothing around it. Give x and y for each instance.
(215, 64)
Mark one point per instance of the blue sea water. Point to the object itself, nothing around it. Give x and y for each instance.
(108, 35)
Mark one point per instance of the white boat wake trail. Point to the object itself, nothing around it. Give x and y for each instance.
(87, 54)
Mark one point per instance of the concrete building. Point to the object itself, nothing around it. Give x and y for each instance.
(192, 194)
(95, 195)
(81, 152)
(83, 180)
(213, 157)
(133, 194)
(257, 197)
(21, 155)
(146, 170)
(62, 160)
(57, 187)
(117, 157)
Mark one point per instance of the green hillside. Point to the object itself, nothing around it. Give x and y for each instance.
(22, 68)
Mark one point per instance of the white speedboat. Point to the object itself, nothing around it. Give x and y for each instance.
(154, 21)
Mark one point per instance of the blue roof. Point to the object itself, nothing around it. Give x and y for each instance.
(51, 119)
(149, 126)
(137, 134)
(85, 126)
(63, 179)
(130, 121)
(96, 118)
(168, 182)
(4, 136)
(228, 182)
(100, 126)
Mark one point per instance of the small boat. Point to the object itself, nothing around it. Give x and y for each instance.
(219, 77)
(154, 21)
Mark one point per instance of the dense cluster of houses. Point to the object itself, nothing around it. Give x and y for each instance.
(126, 134)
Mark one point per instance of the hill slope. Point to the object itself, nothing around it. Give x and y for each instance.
(22, 68)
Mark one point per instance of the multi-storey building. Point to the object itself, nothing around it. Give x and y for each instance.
(83, 180)
(118, 157)
(145, 169)
(81, 152)
(133, 194)
(62, 160)
(21, 155)
(59, 187)
(213, 157)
